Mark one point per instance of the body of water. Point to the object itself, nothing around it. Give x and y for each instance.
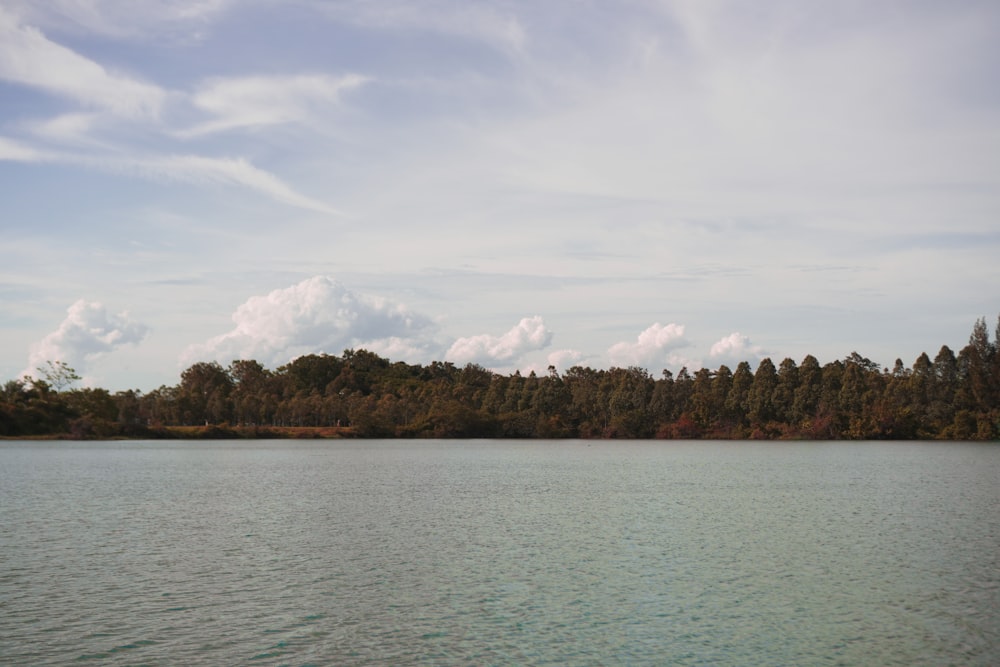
(503, 553)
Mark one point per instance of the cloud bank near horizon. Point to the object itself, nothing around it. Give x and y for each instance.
(317, 315)
(320, 315)
(654, 347)
(734, 348)
(528, 335)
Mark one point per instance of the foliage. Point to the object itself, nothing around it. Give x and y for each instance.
(57, 374)
(360, 394)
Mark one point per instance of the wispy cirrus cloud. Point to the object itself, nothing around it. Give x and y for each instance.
(29, 58)
(496, 26)
(195, 169)
(256, 101)
(222, 171)
(16, 151)
(124, 19)
(74, 129)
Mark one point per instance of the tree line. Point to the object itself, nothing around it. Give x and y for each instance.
(952, 396)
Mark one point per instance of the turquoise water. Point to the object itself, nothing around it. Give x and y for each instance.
(531, 553)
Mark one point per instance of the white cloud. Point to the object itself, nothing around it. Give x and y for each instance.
(733, 349)
(651, 347)
(87, 333)
(73, 128)
(15, 151)
(256, 101)
(185, 168)
(475, 21)
(528, 335)
(122, 18)
(317, 315)
(395, 348)
(27, 57)
(792, 109)
(564, 359)
(841, 135)
(226, 171)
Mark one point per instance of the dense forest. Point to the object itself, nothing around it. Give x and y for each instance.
(361, 394)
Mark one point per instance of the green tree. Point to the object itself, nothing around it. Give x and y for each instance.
(980, 368)
(700, 406)
(204, 394)
(32, 407)
(96, 413)
(661, 403)
(737, 402)
(628, 392)
(585, 409)
(944, 388)
(760, 406)
(551, 406)
(783, 399)
(919, 391)
(58, 374)
(130, 417)
(856, 397)
(806, 400)
(249, 395)
(723, 421)
(493, 399)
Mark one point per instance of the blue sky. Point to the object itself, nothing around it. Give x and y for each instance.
(515, 184)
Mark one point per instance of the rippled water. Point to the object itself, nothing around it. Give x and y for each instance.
(376, 553)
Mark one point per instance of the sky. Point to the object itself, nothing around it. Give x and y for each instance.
(658, 183)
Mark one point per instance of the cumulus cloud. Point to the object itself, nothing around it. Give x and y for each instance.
(651, 348)
(528, 335)
(733, 349)
(397, 348)
(88, 332)
(564, 359)
(317, 315)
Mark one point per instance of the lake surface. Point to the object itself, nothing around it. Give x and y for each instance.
(505, 553)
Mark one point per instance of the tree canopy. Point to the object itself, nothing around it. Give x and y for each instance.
(360, 394)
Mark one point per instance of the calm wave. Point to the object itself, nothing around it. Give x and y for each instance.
(375, 553)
